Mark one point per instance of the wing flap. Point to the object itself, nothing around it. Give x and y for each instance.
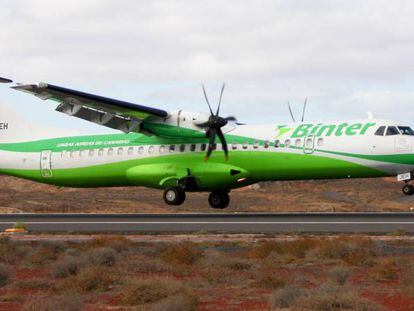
(101, 110)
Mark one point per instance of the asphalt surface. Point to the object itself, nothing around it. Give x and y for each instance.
(223, 223)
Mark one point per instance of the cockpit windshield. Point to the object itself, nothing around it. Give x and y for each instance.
(406, 130)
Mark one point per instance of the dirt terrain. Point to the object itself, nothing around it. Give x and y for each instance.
(379, 194)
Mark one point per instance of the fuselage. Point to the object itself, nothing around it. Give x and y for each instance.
(292, 151)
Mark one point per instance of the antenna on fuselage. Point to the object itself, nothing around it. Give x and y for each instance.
(303, 111)
(291, 114)
(304, 108)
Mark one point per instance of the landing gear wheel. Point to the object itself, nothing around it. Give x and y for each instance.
(408, 189)
(219, 199)
(174, 196)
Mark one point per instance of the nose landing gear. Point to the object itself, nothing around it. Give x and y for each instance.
(219, 199)
(408, 189)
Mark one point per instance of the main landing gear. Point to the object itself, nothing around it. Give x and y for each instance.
(176, 196)
(407, 189)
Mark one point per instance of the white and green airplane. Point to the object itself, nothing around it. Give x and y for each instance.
(180, 151)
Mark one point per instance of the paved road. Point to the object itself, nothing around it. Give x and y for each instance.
(227, 223)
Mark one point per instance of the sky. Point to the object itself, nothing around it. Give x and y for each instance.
(346, 57)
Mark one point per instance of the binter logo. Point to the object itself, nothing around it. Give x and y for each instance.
(341, 129)
(4, 126)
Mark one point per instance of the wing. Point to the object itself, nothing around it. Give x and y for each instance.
(108, 112)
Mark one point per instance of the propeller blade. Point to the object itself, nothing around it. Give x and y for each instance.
(5, 80)
(204, 124)
(212, 139)
(291, 114)
(223, 143)
(208, 103)
(219, 103)
(304, 107)
(231, 118)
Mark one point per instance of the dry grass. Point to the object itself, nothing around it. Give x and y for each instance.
(384, 270)
(103, 256)
(4, 274)
(271, 281)
(184, 253)
(116, 242)
(285, 297)
(88, 280)
(138, 292)
(67, 266)
(339, 274)
(179, 302)
(35, 284)
(61, 303)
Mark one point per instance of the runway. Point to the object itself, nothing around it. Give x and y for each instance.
(217, 222)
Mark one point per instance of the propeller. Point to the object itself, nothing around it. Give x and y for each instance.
(213, 126)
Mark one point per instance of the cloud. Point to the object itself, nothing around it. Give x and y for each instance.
(268, 52)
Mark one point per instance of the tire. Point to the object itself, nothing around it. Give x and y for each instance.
(174, 196)
(219, 200)
(408, 189)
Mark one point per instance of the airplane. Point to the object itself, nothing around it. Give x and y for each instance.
(184, 151)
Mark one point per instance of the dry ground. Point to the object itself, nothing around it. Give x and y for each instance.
(379, 194)
(239, 273)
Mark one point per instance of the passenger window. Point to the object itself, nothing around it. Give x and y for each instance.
(151, 149)
(245, 145)
(256, 144)
(277, 143)
(100, 152)
(298, 142)
(110, 151)
(130, 150)
(82, 153)
(380, 131)
(141, 150)
(266, 144)
(172, 148)
(392, 130)
(63, 154)
(320, 142)
(72, 154)
(193, 147)
(309, 142)
(182, 148)
(234, 146)
(287, 143)
(162, 149)
(91, 152)
(203, 147)
(120, 151)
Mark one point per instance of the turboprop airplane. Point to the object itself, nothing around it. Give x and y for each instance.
(183, 151)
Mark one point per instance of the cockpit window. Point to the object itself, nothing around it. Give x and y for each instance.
(406, 130)
(380, 131)
(392, 130)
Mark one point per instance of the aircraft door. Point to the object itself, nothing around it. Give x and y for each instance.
(309, 144)
(402, 143)
(46, 163)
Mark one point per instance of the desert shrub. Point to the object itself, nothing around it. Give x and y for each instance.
(104, 256)
(332, 297)
(180, 302)
(145, 265)
(271, 281)
(284, 297)
(384, 270)
(4, 275)
(339, 274)
(54, 246)
(407, 281)
(33, 284)
(88, 280)
(235, 264)
(298, 247)
(263, 249)
(8, 249)
(117, 242)
(138, 292)
(61, 303)
(221, 275)
(67, 266)
(183, 253)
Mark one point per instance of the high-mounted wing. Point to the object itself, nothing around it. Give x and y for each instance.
(108, 112)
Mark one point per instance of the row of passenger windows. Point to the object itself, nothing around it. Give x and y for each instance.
(182, 148)
(394, 130)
